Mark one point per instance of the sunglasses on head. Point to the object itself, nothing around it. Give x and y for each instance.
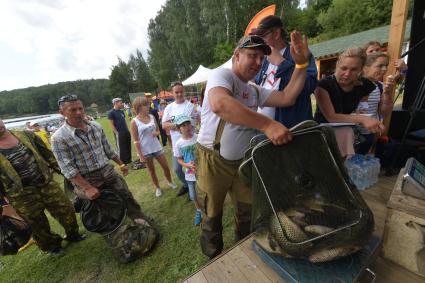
(173, 84)
(252, 40)
(67, 98)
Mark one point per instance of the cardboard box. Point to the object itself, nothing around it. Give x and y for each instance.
(404, 232)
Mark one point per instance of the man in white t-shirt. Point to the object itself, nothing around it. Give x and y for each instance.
(228, 121)
(180, 106)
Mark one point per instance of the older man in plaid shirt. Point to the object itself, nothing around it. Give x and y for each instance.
(83, 155)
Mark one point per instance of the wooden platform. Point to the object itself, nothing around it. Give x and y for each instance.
(241, 264)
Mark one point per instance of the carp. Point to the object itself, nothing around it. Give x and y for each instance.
(332, 253)
(288, 234)
(318, 229)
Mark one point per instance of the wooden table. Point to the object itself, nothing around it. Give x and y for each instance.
(241, 264)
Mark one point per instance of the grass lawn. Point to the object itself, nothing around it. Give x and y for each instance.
(176, 256)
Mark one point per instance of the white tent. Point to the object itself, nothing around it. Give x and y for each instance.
(228, 64)
(201, 75)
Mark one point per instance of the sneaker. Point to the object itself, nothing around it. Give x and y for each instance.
(158, 192)
(172, 185)
(76, 239)
(56, 252)
(198, 217)
(182, 191)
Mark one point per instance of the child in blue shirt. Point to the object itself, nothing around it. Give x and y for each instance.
(186, 158)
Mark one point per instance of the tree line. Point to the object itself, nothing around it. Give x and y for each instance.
(43, 99)
(187, 33)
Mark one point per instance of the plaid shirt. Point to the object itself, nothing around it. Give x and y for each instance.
(80, 152)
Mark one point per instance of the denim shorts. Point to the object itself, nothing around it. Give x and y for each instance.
(154, 154)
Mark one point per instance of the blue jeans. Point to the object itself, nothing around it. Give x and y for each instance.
(192, 190)
(178, 169)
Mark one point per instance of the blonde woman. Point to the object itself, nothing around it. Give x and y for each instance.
(145, 132)
(339, 95)
(379, 100)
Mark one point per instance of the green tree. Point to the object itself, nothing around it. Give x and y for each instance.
(349, 16)
(143, 80)
(121, 81)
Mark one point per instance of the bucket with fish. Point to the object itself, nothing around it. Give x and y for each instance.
(304, 204)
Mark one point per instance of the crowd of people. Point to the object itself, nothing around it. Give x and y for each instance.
(267, 90)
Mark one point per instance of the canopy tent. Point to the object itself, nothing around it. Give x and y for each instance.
(228, 64)
(201, 75)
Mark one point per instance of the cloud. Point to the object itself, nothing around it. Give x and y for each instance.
(69, 39)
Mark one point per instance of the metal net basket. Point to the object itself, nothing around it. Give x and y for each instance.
(304, 205)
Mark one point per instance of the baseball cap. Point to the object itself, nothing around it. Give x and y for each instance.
(254, 41)
(181, 119)
(116, 99)
(148, 94)
(67, 98)
(266, 24)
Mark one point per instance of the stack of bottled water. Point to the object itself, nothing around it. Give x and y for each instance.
(363, 170)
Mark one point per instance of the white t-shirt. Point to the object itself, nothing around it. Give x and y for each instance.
(148, 143)
(273, 83)
(186, 150)
(173, 110)
(235, 138)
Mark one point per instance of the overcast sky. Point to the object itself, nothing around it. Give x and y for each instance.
(50, 41)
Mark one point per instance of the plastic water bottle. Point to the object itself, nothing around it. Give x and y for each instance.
(356, 168)
(367, 167)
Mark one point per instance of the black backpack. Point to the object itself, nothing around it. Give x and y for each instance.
(14, 234)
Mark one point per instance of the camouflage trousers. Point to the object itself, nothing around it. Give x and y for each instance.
(108, 178)
(30, 203)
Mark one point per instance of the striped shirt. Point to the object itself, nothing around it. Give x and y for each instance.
(24, 163)
(81, 152)
(373, 105)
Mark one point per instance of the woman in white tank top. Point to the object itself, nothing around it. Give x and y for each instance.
(145, 134)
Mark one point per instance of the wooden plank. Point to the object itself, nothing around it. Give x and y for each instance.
(395, 40)
(197, 278)
(230, 270)
(213, 274)
(247, 267)
(246, 248)
(388, 272)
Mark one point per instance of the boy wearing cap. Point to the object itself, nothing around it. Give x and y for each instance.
(118, 125)
(276, 72)
(186, 157)
(229, 121)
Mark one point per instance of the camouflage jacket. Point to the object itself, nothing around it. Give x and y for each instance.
(10, 181)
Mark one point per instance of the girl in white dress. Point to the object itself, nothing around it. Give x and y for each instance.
(145, 132)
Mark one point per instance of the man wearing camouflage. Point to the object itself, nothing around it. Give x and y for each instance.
(26, 166)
